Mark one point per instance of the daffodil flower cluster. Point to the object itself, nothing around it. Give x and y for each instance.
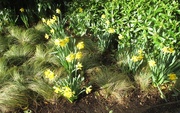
(152, 63)
(139, 57)
(168, 50)
(66, 92)
(54, 25)
(71, 87)
(73, 58)
(163, 68)
(50, 21)
(49, 74)
(172, 76)
(69, 54)
(135, 60)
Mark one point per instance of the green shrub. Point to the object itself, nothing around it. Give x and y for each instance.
(141, 28)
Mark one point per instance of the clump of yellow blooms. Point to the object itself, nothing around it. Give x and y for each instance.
(21, 10)
(61, 42)
(168, 50)
(49, 74)
(57, 89)
(103, 16)
(56, 42)
(139, 57)
(70, 57)
(46, 36)
(65, 91)
(78, 55)
(152, 63)
(50, 21)
(80, 45)
(107, 22)
(111, 30)
(54, 18)
(80, 10)
(52, 31)
(79, 66)
(43, 20)
(58, 11)
(120, 37)
(134, 58)
(88, 89)
(172, 76)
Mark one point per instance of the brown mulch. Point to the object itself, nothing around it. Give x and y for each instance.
(135, 102)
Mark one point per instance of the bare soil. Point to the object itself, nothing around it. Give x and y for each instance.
(135, 102)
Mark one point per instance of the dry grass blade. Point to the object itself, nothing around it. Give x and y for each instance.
(43, 89)
(13, 95)
(111, 81)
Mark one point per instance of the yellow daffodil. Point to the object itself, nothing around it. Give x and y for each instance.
(140, 57)
(165, 50)
(168, 50)
(78, 55)
(48, 23)
(107, 22)
(58, 11)
(52, 31)
(43, 20)
(56, 42)
(88, 89)
(79, 66)
(67, 92)
(134, 58)
(152, 63)
(171, 50)
(62, 43)
(111, 30)
(70, 57)
(49, 74)
(66, 39)
(57, 89)
(103, 16)
(54, 17)
(46, 36)
(172, 76)
(140, 51)
(80, 10)
(80, 45)
(52, 21)
(120, 37)
(21, 10)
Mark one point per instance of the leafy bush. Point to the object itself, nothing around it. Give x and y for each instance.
(141, 28)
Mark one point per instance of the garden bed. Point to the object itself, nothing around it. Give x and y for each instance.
(95, 102)
(79, 57)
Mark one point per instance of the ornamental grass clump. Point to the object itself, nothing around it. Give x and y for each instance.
(13, 95)
(69, 55)
(21, 67)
